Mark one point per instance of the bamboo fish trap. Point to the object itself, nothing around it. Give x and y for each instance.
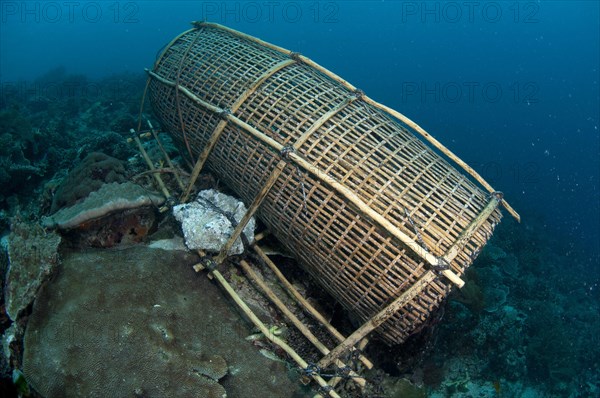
(365, 199)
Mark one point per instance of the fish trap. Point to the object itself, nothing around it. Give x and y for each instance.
(371, 205)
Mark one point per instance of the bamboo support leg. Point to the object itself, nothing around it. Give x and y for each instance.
(290, 315)
(260, 236)
(250, 212)
(265, 331)
(378, 319)
(306, 305)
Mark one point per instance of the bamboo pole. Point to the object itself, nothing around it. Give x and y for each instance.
(265, 331)
(142, 103)
(199, 165)
(468, 232)
(260, 236)
(200, 24)
(159, 180)
(378, 319)
(305, 304)
(165, 154)
(295, 321)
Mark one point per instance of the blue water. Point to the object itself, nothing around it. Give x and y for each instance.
(511, 87)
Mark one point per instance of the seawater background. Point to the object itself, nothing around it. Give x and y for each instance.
(510, 87)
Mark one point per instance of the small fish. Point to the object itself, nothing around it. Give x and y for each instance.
(254, 337)
(271, 355)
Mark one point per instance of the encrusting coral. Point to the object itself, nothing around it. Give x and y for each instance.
(109, 198)
(114, 214)
(136, 322)
(208, 222)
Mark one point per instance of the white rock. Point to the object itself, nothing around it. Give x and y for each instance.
(205, 223)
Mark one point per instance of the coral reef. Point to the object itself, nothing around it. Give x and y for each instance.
(22, 159)
(137, 322)
(49, 124)
(531, 336)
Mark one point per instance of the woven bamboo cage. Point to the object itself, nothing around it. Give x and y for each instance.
(352, 188)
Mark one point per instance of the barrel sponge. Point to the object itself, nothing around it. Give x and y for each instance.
(109, 198)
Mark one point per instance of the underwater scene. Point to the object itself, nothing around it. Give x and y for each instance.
(300, 199)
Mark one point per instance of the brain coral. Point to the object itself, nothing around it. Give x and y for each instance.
(140, 322)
